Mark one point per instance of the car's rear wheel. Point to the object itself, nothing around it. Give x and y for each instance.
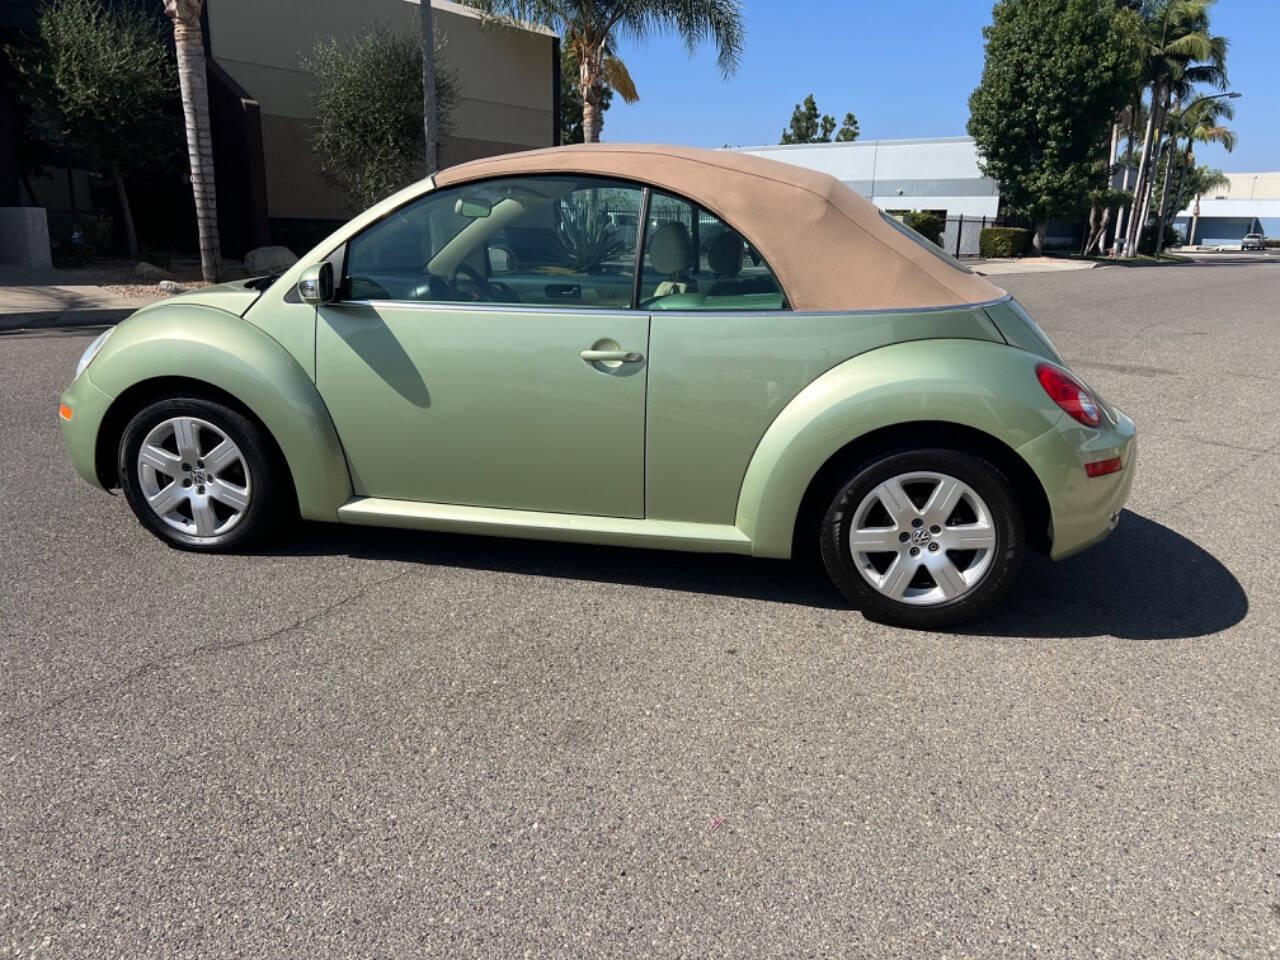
(200, 475)
(923, 538)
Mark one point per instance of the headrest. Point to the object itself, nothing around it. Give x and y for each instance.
(724, 256)
(669, 248)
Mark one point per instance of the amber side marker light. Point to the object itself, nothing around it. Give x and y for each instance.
(64, 411)
(1100, 468)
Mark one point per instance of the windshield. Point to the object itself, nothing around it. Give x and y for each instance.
(928, 244)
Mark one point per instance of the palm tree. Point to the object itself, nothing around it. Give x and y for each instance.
(430, 109)
(1181, 53)
(1199, 123)
(1201, 181)
(590, 29)
(189, 43)
(1131, 119)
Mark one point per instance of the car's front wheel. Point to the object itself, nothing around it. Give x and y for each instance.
(200, 475)
(923, 538)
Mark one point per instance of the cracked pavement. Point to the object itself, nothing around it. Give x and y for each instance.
(380, 744)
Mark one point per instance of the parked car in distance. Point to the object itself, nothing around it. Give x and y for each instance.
(770, 366)
(1253, 241)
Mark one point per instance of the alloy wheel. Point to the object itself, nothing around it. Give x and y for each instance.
(194, 477)
(922, 538)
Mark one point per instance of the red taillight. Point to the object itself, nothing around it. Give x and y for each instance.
(1069, 393)
(1100, 468)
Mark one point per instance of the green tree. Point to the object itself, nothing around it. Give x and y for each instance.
(369, 130)
(589, 30)
(1057, 73)
(808, 126)
(100, 83)
(848, 131)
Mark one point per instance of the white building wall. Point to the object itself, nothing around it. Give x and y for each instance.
(935, 174)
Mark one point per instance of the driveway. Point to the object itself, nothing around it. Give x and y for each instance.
(377, 744)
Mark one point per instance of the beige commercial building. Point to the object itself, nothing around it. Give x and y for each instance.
(1249, 203)
(270, 187)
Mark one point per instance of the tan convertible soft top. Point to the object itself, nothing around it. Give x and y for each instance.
(831, 249)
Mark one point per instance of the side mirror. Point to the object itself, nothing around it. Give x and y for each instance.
(315, 286)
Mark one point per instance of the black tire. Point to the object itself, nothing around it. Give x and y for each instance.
(984, 479)
(270, 503)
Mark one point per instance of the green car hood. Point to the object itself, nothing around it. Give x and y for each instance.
(236, 297)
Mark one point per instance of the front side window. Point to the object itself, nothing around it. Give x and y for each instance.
(549, 240)
(693, 260)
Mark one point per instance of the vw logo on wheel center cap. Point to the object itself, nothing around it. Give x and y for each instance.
(920, 536)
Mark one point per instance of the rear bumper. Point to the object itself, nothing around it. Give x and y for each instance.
(1083, 509)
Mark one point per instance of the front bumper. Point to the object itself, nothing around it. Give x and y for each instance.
(1083, 509)
(87, 405)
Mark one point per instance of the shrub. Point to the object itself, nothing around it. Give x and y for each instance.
(1147, 245)
(1272, 243)
(928, 225)
(1003, 242)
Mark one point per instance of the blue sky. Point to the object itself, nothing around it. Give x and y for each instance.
(904, 67)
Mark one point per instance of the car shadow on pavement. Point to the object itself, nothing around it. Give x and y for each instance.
(1144, 582)
(780, 581)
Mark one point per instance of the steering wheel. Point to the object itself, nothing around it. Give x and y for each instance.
(482, 289)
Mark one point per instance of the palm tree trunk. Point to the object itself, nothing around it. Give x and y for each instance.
(1195, 222)
(1177, 190)
(126, 213)
(591, 82)
(1164, 196)
(1140, 184)
(1099, 240)
(1111, 171)
(1090, 230)
(1150, 191)
(1128, 163)
(189, 45)
(430, 110)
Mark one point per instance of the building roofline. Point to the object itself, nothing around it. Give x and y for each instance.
(464, 11)
(855, 143)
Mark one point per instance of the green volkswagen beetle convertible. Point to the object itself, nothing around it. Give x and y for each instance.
(639, 346)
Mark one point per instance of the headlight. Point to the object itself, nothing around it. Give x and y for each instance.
(91, 351)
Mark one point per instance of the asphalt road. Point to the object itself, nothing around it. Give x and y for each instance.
(378, 744)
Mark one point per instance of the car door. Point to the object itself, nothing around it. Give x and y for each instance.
(484, 350)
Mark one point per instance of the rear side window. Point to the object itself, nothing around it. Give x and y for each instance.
(693, 260)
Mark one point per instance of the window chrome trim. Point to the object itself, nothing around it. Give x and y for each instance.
(447, 306)
(437, 306)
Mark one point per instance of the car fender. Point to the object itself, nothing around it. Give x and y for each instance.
(209, 345)
(984, 386)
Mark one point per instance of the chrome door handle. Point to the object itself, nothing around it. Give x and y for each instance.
(614, 356)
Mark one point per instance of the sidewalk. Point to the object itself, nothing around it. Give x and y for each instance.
(34, 299)
(995, 267)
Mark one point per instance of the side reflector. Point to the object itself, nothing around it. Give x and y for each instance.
(64, 411)
(1100, 468)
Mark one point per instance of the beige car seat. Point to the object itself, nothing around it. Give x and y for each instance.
(725, 254)
(671, 254)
